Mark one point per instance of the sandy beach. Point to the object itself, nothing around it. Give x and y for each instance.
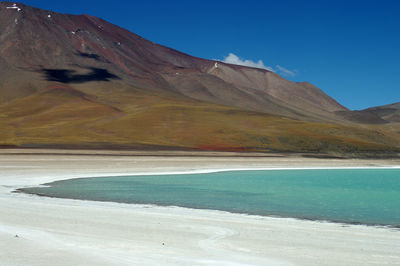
(49, 231)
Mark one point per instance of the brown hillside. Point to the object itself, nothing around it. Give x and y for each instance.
(80, 81)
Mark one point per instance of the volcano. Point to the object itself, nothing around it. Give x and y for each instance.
(79, 81)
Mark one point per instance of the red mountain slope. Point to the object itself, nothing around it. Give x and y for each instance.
(77, 79)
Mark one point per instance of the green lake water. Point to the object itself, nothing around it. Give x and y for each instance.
(367, 196)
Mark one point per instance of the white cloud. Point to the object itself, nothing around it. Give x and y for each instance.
(234, 59)
(286, 72)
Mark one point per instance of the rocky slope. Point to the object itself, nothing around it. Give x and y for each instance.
(80, 81)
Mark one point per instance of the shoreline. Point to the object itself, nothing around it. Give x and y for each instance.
(206, 171)
(255, 216)
(199, 236)
(197, 153)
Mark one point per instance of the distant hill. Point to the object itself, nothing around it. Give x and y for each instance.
(79, 81)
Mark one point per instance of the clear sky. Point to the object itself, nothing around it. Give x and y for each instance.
(349, 49)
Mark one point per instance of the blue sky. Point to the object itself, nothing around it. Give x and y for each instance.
(349, 49)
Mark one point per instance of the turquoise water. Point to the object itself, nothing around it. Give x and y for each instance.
(367, 196)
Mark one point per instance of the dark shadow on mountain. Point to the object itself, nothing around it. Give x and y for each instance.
(87, 55)
(70, 76)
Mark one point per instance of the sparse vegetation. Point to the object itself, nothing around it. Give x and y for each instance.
(64, 116)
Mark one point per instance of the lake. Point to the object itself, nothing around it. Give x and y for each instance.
(366, 196)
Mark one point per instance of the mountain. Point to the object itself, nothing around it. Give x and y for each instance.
(375, 115)
(79, 81)
(389, 113)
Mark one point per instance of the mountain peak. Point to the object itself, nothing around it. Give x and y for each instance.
(139, 87)
(65, 43)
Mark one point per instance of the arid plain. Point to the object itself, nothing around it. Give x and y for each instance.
(41, 230)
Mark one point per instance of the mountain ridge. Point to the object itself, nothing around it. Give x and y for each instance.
(138, 88)
(165, 61)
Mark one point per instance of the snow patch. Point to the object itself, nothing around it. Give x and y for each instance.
(14, 6)
(49, 16)
(16, 21)
(73, 32)
(216, 65)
